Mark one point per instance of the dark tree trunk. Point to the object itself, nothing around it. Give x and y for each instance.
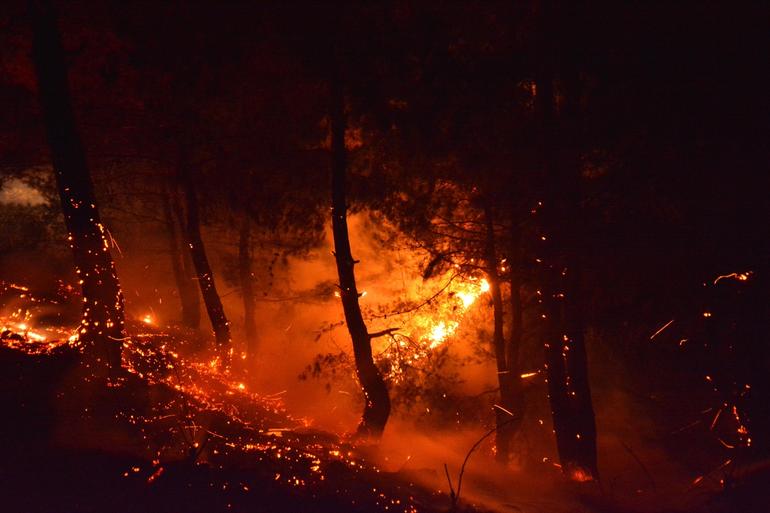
(102, 324)
(211, 300)
(185, 284)
(517, 308)
(247, 287)
(508, 415)
(565, 352)
(377, 400)
(513, 348)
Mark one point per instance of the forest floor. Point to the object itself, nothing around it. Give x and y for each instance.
(173, 434)
(170, 436)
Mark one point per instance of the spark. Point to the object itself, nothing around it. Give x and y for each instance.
(735, 276)
(661, 329)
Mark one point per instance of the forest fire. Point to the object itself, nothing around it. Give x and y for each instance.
(383, 256)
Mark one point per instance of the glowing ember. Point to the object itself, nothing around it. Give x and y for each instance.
(734, 276)
(580, 475)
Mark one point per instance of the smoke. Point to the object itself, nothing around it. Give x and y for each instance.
(303, 356)
(18, 192)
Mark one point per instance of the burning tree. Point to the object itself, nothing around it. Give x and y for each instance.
(102, 321)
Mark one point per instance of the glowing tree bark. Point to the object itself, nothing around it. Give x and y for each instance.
(188, 293)
(565, 353)
(211, 300)
(246, 278)
(508, 416)
(377, 400)
(102, 324)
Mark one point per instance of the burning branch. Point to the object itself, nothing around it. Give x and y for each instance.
(383, 333)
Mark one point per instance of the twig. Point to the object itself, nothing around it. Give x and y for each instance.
(452, 495)
(420, 305)
(382, 333)
(456, 496)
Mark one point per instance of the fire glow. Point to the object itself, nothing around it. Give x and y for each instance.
(434, 329)
(429, 327)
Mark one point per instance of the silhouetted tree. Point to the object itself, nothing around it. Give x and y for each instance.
(184, 276)
(246, 278)
(376, 398)
(205, 276)
(102, 323)
(564, 333)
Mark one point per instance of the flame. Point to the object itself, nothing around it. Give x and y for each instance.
(433, 327)
(434, 323)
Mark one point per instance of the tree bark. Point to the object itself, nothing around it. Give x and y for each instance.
(565, 352)
(513, 347)
(247, 287)
(377, 400)
(211, 300)
(517, 308)
(188, 293)
(102, 323)
(509, 415)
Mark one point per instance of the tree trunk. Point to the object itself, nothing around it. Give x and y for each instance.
(247, 288)
(211, 300)
(188, 293)
(377, 400)
(565, 353)
(102, 324)
(507, 415)
(517, 326)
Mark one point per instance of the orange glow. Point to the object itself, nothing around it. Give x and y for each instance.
(434, 323)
